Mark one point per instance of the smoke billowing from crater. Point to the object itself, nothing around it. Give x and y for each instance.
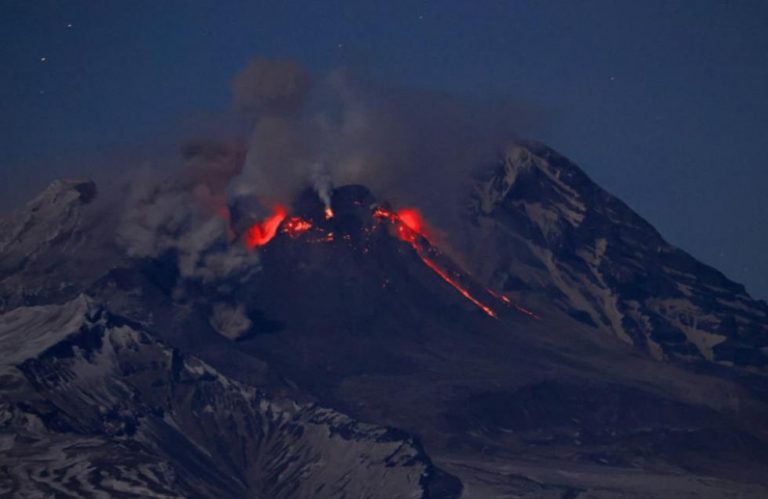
(409, 147)
(188, 213)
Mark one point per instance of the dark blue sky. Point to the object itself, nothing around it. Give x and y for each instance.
(663, 103)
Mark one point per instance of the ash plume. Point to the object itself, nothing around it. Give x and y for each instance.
(407, 146)
(188, 213)
(273, 86)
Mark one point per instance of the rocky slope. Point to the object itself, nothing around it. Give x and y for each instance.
(55, 245)
(93, 406)
(542, 228)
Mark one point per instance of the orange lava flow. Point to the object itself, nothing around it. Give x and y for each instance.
(506, 300)
(262, 232)
(432, 265)
(380, 212)
(296, 226)
(499, 296)
(328, 213)
(410, 226)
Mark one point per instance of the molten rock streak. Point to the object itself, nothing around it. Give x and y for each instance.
(409, 226)
(262, 232)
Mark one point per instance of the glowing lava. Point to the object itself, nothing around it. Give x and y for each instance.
(262, 232)
(410, 227)
(296, 226)
(432, 265)
(499, 296)
(412, 219)
(509, 302)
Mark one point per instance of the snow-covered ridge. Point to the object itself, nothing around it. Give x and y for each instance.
(54, 246)
(26, 332)
(607, 266)
(50, 215)
(93, 393)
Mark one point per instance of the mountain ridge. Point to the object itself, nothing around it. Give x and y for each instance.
(608, 265)
(364, 315)
(103, 383)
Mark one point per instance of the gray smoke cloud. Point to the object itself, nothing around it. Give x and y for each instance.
(230, 321)
(276, 86)
(188, 213)
(322, 182)
(409, 147)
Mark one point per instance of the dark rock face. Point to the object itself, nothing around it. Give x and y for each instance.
(542, 221)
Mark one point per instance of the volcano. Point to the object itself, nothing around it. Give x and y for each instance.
(569, 352)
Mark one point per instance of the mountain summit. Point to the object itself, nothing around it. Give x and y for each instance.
(545, 229)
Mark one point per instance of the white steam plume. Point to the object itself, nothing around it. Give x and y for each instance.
(322, 182)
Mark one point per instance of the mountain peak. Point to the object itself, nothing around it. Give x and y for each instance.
(585, 250)
(54, 211)
(58, 229)
(81, 190)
